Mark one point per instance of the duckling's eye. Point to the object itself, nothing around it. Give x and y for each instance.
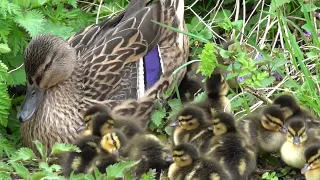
(190, 123)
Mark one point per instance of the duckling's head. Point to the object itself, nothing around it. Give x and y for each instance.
(288, 105)
(184, 154)
(297, 133)
(223, 123)
(216, 85)
(273, 119)
(48, 60)
(97, 118)
(312, 155)
(189, 118)
(113, 141)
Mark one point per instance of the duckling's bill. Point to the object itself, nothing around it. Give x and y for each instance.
(305, 169)
(82, 127)
(31, 102)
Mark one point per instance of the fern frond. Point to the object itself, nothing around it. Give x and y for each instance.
(5, 102)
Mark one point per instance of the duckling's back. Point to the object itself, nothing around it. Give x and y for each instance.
(235, 154)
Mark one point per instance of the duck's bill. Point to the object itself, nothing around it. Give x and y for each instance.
(115, 152)
(296, 140)
(284, 129)
(82, 127)
(31, 102)
(305, 169)
(169, 159)
(174, 124)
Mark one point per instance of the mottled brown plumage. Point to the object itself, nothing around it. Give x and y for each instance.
(99, 66)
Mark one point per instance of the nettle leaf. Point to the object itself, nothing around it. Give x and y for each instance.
(40, 148)
(50, 169)
(21, 170)
(60, 30)
(24, 154)
(150, 175)
(59, 148)
(158, 115)
(267, 81)
(117, 170)
(175, 104)
(4, 48)
(33, 21)
(5, 167)
(14, 9)
(73, 3)
(208, 60)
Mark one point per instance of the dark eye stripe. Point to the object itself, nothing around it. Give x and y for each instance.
(114, 142)
(38, 80)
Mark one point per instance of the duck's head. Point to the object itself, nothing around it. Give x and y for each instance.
(273, 119)
(216, 85)
(113, 141)
(97, 120)
(189, 118)
(288, 105)
(297, 132)
(48, 61)
(223, 123)
(184, 154)
(312, 155)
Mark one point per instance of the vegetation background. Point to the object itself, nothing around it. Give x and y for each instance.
(277, 50)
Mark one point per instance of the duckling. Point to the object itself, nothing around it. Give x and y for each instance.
(230, 148)
(298, 138)
(149, 153)
(311, 170)
(266, 129)
(192, 126)
(98, 120)
(290, 108)
(78, 161)
(110, 145)
(216, 89)
(187, 164)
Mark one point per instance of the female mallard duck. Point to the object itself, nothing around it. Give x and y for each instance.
(102, 64)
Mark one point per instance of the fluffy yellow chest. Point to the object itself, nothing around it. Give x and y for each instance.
(313, 174)
(293, 155)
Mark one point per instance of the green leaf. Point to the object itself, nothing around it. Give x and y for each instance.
(237, 24)
(40, 148)
(5, 167)
(38, 176)
(6, 146)
(267, 81)
(32, 21)
(73, 3)
(5, 176)
(117, 170)
(277, 3)
(175, 104)
(24, 154)
(208, 60)
(150, 175)
(158, 115)
(4, 48)
(59, 148)
(60, 30)
(21, 170)
(5, 102)
(49, 169)
(200, 97)
(310, 7)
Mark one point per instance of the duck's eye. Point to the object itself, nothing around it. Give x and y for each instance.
(33, 93)
(190, 123)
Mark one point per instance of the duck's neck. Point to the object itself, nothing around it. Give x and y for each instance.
(57, 117)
